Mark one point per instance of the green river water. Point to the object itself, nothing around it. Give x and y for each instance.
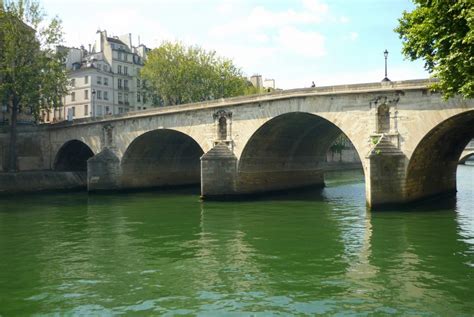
(307, 253)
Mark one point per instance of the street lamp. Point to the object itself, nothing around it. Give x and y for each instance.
(93, 102)
(385, 54)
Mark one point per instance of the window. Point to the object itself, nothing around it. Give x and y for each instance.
(105, 68)
(222, 130)
(139, 108)
(99, 66)
(86, 94)
(125, 70)
(119, 55)
(73, 111)
(99, 80)
(99, 94)
(120, 110)
(73, 96)
(119, 69)
(125, 84)
(383, 118)
(138, 83)
(73, 82)
(120, 98)
(125, 98)
(119, 82)
(86, 79)
(86, 110)
(99, 110)
(106, 81)
(106, 95)
(107, 110)
(138, 96)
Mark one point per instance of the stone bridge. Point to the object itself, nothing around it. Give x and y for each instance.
(409, 140)
(467, 153)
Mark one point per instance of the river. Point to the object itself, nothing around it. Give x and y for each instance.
(306, 253)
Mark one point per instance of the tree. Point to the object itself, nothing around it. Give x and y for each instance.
(32, 76)
(442, 33)
(177, 74)
(339, 145)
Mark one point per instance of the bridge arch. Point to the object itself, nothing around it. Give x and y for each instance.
(466, 157)
(162, 157)
(432, 166)
(287, 151)
(73, 156)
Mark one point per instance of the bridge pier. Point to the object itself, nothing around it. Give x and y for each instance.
(385, 174)
(218, 172)
(103, 171)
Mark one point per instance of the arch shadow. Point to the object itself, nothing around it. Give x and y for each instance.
(72, 157)
(161, 157)
(288, 151)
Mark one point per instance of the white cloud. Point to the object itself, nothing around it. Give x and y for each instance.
(261, 19)
(353, 36)
(260, 37)
(344, 20)
(309, 44)
(248, 58)
(316, 6)
(226, 7)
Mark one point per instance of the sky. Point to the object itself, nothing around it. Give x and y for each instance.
(294, 42)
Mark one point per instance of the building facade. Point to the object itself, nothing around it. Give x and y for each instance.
(103, 79)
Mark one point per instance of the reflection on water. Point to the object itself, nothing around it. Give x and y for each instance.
(315, 251)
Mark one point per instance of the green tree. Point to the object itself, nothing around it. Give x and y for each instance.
(339, 145)
(176, 74)
(442, 33)
(32, 76)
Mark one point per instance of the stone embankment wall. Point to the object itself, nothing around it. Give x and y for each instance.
(33, 155)
(36, 181)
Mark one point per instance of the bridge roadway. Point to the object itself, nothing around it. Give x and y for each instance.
(409, 140)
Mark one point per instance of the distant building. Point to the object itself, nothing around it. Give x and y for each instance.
(104, 79)
(269, 83)
(258, 82)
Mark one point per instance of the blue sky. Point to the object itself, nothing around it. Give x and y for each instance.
(293, 42)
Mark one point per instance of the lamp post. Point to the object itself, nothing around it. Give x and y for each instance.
(385, 54)
(93, 103)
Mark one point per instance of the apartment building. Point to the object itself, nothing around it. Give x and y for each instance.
(104, 79)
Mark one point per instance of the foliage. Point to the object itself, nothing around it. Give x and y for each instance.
(339, 144)
(32, 76)
(442, 33)
(177, 74)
